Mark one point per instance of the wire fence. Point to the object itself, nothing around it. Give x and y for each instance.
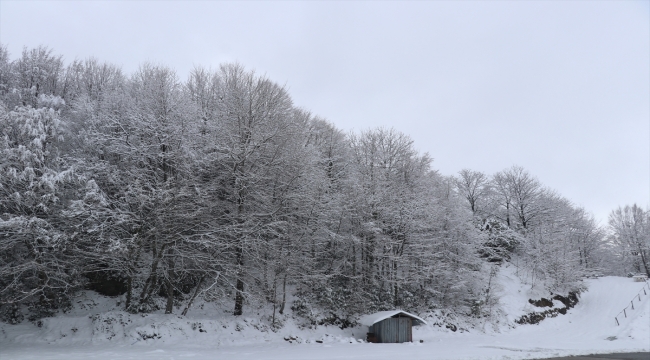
(642, 292)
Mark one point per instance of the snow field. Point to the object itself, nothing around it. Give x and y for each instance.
(586, 329)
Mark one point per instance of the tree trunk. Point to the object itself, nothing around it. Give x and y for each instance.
(284, 294)
(134, 257)
(354, 260)
(147, 290)
(239, 290)
(170, 296)
(275, 287)
(196, 292)
(644, 261)
(396, 301)
(239, 298)
(129, 293)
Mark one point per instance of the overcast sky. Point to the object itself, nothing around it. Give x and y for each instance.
(561, 88)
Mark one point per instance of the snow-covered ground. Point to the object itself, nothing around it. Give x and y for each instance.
(588, 328)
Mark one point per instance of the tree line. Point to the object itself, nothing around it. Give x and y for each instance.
(219, 187)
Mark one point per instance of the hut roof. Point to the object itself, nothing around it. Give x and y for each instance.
(369, 320)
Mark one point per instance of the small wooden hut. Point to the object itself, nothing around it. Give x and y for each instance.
(395, 326)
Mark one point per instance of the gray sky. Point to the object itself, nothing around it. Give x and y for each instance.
(561, 88)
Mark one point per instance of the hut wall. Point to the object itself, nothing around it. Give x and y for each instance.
(394, 330)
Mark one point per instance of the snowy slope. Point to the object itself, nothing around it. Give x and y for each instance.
(587, 328)
(590, 326)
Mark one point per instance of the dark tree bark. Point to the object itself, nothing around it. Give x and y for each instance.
(239, 290)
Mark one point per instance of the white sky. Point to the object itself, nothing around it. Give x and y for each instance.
(561, 88)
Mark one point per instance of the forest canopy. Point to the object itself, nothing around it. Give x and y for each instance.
(220, 187)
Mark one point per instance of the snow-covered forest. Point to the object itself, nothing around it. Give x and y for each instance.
(218, 187)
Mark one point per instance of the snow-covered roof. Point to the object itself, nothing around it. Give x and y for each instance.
(369, 320)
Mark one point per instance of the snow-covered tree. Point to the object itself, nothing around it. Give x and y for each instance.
(36, 264)
(630, 226)
(474, 187)
(38, 72)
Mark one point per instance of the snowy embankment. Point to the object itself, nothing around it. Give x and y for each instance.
(588, 328)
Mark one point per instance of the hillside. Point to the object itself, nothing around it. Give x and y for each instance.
(94, 329)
